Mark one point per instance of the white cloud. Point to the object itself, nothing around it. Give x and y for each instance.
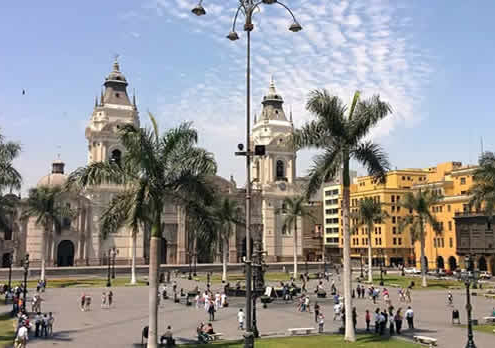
(345, 45)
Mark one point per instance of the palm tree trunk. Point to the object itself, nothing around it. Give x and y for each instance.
(295, 249)
(224, 261)
(423, 261)
(155, 246)
(133, 257)
(350, 334)
(44, 233)
(370, 256)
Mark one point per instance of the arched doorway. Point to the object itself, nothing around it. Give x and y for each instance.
(440, 263)
(452, 263)
(6, 260)
(482, 266)
(65, 254)
(163, 251)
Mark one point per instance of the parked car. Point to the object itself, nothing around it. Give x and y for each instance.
(485, 275)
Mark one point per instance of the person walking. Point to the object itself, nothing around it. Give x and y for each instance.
(410, 318)
(211, 311)
(317, 311)
(398, 321)
(383, 322)
(83, 301)
(110, 298)
(354, 317)
(408, 295)
(367, 317)
(21, 337)
(37, 324)
(391, 319)
(240, 319)
(321, 322)
(51, 320)
(103, 299)
(44, 326)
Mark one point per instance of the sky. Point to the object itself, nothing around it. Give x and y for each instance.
(433, 61)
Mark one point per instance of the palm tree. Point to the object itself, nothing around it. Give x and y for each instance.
(294, 208)
(483, 190)
(341, 133)
(44, 204)
(227, 213)
(123, 210)
(419, 206)
(10, 178)
(155, 170)
(368, 213)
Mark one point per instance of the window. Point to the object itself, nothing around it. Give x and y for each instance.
(380, 241)
(400, 241)
(392, 199)
(398, 209)
(117, 95)
(448, 208)
(463, 181)
(463, 192)
(435, 242)
(443, 242)
(395, 241)
(403, 178)
(393, 219)
(441, 208)
(409, 178)
(280, 169)
(450, 225)
(398, 199)
(451, 242)
(393, 208)
(394, 230)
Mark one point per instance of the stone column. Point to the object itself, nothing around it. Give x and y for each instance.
(233, 245)
(181, 236)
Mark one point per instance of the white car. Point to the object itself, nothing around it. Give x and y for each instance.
(412, 270)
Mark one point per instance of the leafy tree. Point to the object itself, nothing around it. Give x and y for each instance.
(155, 170)
(483, 190)
(294, 208)
(419, 206)
(44, 204)
(369, 212)
(341, 133)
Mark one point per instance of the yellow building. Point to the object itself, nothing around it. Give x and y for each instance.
(388, 242)
(452, 181)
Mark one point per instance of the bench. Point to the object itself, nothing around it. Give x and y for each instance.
(216, 336)
(489, 319)
(492, 296)
(426, 340)
(306, 330)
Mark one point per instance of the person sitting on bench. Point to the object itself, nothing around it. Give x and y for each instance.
(167, 337)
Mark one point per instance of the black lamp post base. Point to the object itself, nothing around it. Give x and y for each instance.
(470, 344)
(248, 339)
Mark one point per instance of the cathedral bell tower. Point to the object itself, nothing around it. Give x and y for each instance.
(274, 175)
(273, 130)
(113, 110)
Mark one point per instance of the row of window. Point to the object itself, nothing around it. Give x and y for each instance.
(332, 192)
(332, 201)
(332, 211)
(332, 240)
(332, 221)
(332, 230)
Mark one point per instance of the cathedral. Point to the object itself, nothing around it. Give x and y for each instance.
(80, 242)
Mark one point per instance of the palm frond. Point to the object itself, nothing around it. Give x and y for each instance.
(366, 115)
(95, 174)
(329, 110)
(325, 167)
(372, 157)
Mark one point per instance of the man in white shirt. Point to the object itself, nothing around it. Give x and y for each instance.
(22, 337)
(410, 318)
(240, 318)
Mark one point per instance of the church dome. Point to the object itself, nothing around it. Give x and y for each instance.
(56, 177)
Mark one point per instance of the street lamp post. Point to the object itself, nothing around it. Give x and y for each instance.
(109, 282)
(381, 267)
(190, 267)
(26, 270)
(361, 263)
(247, 8)
(114, 255)
(11, 260)
(469, 278)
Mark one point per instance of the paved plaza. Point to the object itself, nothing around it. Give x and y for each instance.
(121, 325)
